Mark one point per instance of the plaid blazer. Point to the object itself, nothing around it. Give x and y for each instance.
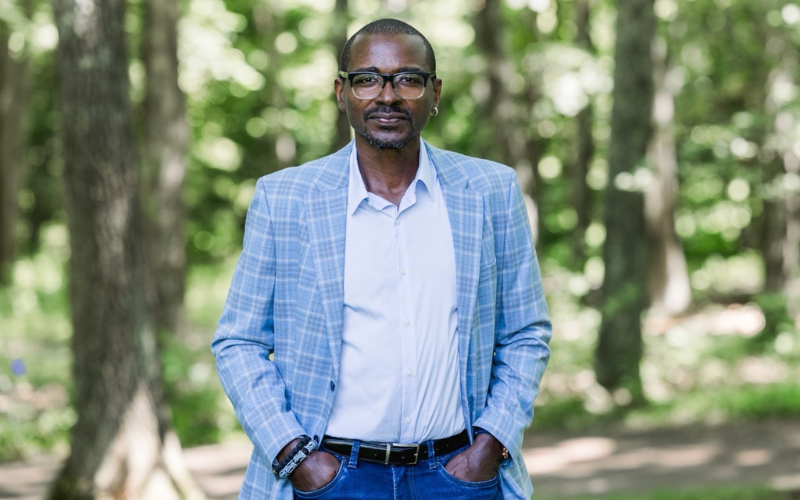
(278, 341)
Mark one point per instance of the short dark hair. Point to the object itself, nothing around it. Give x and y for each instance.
(387, 27)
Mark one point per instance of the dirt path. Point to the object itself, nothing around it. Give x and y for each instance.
(561, 465)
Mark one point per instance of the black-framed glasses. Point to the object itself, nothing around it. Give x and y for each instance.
(406, 84)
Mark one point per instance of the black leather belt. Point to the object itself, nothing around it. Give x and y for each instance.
(395, 453)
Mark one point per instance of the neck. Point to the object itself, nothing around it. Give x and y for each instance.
(388, 172)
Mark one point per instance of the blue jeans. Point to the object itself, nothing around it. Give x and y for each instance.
(360, 480)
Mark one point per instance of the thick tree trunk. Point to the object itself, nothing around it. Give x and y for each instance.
(14, 98)
(497, 105)
(581, 194)
(619, 348)
(166, 140)
(668, 275)
(121, 443)
(338, 39)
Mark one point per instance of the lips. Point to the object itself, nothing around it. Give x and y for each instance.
(389, 119)
(386, 117)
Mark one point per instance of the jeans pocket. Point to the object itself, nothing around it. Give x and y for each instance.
(321, 491)
(488, 483)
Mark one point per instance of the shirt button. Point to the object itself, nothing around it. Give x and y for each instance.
(410, 373)
(408, 420)
(403, 270)
(408, 321)
(397, 222)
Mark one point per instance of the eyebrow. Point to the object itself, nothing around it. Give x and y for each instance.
(373, 69)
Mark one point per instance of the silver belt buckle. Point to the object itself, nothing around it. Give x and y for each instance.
(402, 445)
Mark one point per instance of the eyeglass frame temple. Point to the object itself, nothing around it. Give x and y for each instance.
(387, 77)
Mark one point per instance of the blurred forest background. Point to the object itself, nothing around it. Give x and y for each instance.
(658, 144)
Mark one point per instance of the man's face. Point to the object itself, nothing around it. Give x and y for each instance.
(387, 121)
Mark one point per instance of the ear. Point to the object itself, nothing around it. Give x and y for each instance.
(338, 90)
(437, 91)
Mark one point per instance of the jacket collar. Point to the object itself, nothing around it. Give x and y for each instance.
(334, 171)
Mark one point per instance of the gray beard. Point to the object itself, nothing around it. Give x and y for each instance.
(386, 144)
(382, 144)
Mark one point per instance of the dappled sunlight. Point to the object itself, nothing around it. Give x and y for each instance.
(735, 319)
(206, 51)
(785, 482)
(549, 459)
(645, 462)
(752, 458)
(257, 78)
(219, 470)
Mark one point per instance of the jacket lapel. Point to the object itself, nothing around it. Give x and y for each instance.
(465, 211)
(326, 215)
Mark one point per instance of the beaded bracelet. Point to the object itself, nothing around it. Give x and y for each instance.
(290, 462)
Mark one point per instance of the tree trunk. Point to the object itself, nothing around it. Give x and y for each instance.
(14, 98)
(497, 105)
(581, 194)
(791, 246)
(619, 348)
(166, 140)
(772, 236)
(279, 145)
(338, 39)
(668, 275)
(121, 443)
(508, 137)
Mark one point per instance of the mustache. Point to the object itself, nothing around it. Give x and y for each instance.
(385, 110)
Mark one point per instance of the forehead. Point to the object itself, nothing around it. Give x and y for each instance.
(387, 53)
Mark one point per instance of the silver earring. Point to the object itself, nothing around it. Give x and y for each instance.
(434, 111)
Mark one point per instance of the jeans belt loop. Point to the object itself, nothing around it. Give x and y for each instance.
(353, 462)
(433, 459)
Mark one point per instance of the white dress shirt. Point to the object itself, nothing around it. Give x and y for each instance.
(399, 367)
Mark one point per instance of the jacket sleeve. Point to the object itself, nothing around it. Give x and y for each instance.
(522, 331)
(244, 340)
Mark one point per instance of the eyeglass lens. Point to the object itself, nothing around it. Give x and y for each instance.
(406, 85)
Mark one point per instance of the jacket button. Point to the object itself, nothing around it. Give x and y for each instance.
(333, 385)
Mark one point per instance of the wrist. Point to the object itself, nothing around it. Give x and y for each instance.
(287, 462)
(287, 449)
(484, 438)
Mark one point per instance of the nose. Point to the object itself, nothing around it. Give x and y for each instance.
(388, 94)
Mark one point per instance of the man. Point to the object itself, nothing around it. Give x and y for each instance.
(386, 330)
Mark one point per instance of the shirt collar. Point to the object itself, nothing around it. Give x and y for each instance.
(357, 190)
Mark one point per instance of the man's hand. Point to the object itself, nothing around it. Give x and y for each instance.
(316, 471)
(479, 462)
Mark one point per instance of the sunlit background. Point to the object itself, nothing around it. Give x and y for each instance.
(258, 79)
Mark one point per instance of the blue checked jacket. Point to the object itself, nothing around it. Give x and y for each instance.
(278, 342)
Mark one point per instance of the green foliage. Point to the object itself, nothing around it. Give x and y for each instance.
(25, 431)
(759, 402)
(564, 414)
(193, 393)
(776, 318)
(34, 354)
(258, 80)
